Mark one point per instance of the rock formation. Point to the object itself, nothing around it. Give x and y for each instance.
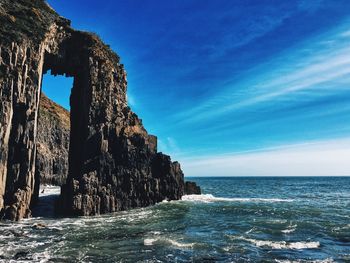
(191, 188)
(51, 164)
(113, 161)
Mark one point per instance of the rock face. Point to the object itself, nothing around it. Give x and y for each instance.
(191, 188)
(113, 161)
(51, 164)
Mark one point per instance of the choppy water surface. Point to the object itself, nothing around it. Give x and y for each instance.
(235, 220)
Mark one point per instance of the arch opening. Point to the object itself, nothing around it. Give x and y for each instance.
(53, 137)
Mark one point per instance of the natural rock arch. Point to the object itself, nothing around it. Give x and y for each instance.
(113, 162)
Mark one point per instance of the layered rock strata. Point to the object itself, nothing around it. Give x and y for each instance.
(113, 161)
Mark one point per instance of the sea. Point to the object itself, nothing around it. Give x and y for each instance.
(236, 219)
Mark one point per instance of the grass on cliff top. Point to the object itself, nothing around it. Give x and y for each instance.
(30, 19)
(97, 46)
(20, 19)
(53, 110)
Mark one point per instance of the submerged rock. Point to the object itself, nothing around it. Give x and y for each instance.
(113, 162)
(22, 255)
(191, 188)
(39, 226)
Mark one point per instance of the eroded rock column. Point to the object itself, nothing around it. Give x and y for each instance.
(22, 65)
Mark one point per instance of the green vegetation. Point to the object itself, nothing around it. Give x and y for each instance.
(53, 111)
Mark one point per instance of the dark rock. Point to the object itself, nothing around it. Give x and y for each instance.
(113, 162)
(18, 233)
(52, 143)
(39, 226)
(191, 188)
(51, 164)
(21, 255)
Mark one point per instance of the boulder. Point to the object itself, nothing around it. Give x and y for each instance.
(191, 188)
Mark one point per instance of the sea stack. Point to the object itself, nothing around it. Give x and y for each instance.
(113, 162)
(191, 188)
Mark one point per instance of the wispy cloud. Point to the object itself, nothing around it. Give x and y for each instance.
(312, 66)
(310, 6)
(131, 100)
(345, 34)
(322, 158)
(168, 145)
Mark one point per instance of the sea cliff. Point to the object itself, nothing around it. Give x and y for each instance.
(113, 163)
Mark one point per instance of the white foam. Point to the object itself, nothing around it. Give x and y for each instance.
(283, 244)
(151, 241)
(139, 214)
(178, 244)
(208, 198)
(250, 230)
(42, 257)
(327, 260)
(46, 190)
(289, 229)
(341, 228)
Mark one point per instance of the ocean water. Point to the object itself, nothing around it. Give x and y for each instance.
(299, 219)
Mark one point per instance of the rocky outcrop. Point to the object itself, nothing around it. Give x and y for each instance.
(191, 188)
(113, 161)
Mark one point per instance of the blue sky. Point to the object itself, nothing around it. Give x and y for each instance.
(220, 82)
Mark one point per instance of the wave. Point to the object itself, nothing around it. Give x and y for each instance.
(151, 241)
(289, 229)
(327, 260)
(283, 244)
(208, 198)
